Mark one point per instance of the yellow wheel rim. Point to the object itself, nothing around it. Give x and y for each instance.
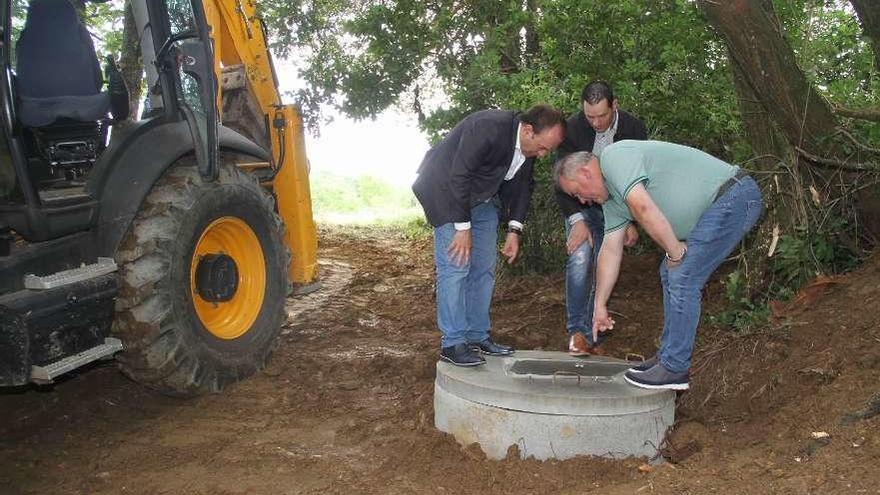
(234, 238)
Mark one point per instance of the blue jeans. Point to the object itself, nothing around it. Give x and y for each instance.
(580, 276)
(718, 231)
(465, 292)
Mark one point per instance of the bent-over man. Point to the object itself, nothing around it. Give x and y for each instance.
(695, 206)
(483, 164)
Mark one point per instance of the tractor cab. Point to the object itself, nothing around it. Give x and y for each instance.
(59, 107)
(58, 112)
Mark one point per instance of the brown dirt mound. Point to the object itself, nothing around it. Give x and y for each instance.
(346, 404)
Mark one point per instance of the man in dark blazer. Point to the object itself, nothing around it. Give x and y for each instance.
(599, 124)
(484, 163)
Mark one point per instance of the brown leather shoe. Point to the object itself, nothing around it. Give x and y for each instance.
(597, 350)
(577, 345)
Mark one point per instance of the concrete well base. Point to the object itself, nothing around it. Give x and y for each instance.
(553, 406)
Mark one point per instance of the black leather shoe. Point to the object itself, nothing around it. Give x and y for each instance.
(490, 348)
(461, 355)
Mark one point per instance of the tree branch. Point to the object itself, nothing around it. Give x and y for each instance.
(872, 114)
(838, 164)
(858, 144)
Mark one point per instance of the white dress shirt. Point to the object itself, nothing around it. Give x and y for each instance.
(518, 159)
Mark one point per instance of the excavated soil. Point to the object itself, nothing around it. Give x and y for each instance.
(345, 405)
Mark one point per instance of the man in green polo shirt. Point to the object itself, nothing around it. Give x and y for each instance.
(695, 206)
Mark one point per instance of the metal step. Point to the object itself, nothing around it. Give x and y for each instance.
(84, 272)
(49, 372)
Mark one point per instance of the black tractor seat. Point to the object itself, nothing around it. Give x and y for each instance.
(59, 98)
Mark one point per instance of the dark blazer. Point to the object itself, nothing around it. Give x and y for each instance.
(579, 136)
(468, 167)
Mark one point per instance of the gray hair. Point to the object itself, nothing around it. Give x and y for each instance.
(568, 165)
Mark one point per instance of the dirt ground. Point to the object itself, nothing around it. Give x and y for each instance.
(345, 405)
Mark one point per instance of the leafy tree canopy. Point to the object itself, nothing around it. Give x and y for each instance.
(665, 63)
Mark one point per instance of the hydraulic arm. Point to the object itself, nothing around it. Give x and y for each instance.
(250, 102)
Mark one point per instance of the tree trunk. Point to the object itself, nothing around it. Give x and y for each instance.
(869, 16)
(784, 198)
(767, 63)
(130, 64)
(769, 146)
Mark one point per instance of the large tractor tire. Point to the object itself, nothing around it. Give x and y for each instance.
(204, 281)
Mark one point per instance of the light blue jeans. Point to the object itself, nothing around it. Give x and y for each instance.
(580, 276)
(717, 233)
(465, 292)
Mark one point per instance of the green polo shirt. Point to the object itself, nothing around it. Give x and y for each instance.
(682, 181)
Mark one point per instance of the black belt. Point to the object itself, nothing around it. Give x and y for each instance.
(740, 174)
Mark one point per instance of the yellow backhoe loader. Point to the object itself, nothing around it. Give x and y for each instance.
(170, 243)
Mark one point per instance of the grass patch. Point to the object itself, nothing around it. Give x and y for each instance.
(365, 200)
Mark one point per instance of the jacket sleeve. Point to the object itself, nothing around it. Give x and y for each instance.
(472, 147)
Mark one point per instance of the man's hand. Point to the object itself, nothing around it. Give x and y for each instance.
(631, 236)
(602, 321)
(459, 250)
(511, 247)
(579, 233)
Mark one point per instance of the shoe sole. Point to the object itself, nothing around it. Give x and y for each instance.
(578, 353)
(463, 365)
(477, 349)
(665, 386)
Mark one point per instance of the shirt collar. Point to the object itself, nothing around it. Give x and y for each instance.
(518, 130)
(612, 129)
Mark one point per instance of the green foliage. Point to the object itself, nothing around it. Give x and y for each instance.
(804, 254)
(743, 318)
(742, 313)
(665, 64)
(799, 257)
(338, 194)
(103, 20)
(360, 199)
(834, 54)
(450, 58)
(416, 228)
(661, 57)
(827, 39)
